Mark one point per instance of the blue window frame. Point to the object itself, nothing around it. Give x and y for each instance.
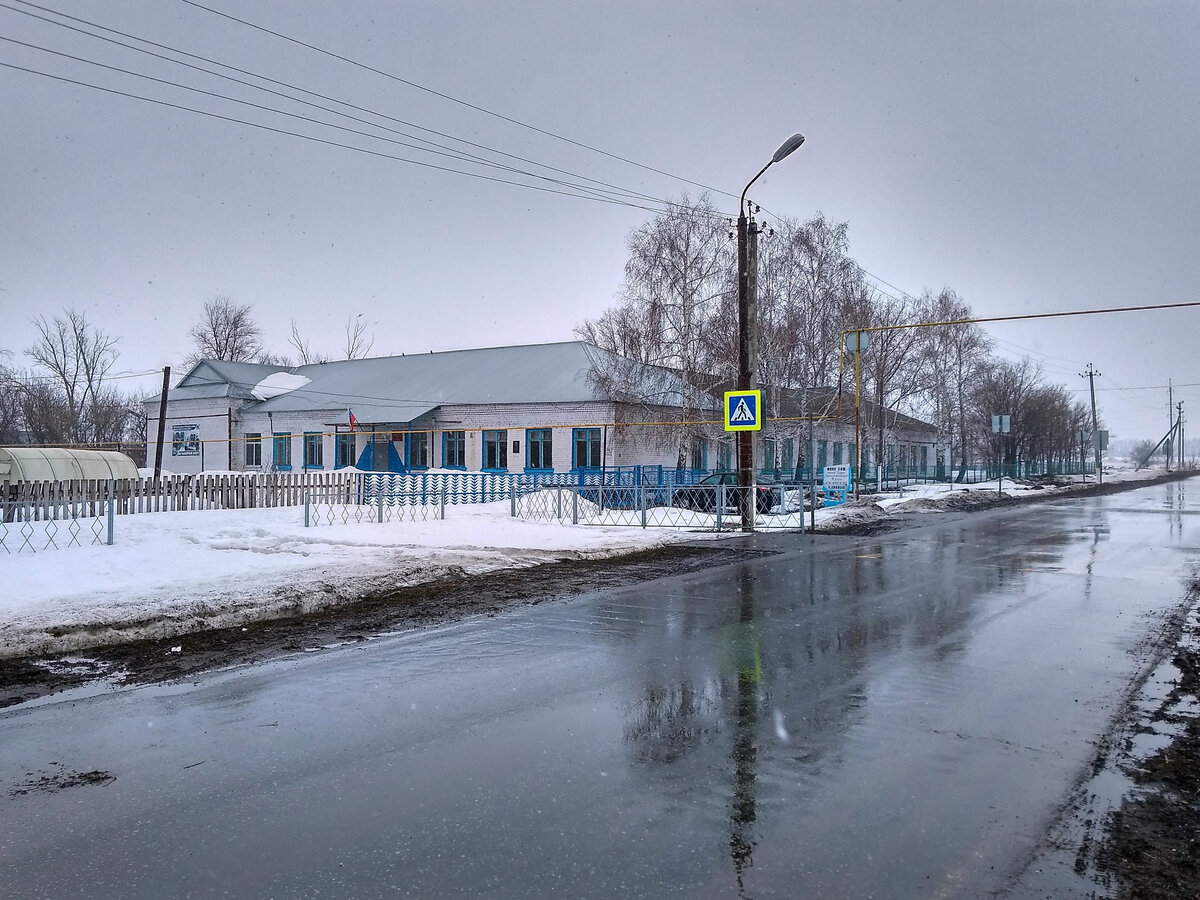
(416, 449)
(768, 454)
(699, 453)
(343, 451)
(837, 453)
(586, 451)
(725, 455)
(281, 450)
(539, 450)
(314, 451)
(454, 449)
(495, 450)
(253, 450)
(789, 454)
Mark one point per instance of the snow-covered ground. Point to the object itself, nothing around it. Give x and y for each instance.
(169, 573)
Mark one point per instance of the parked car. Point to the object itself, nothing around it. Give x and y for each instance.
(702, 496)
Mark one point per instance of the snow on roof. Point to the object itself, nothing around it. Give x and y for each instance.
(277, 384)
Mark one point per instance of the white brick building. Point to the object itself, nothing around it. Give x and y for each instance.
(527, 408)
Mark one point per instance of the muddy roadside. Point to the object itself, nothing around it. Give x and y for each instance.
(1151, 842)
(431, 603)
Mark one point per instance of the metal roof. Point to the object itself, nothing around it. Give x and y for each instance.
(402, 388)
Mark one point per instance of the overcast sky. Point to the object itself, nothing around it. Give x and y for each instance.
(1035, 157)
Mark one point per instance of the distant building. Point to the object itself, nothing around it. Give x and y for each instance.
(530, 408)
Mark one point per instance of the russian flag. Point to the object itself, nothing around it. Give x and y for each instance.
(353, 421)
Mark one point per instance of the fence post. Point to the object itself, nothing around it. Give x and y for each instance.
(379, 499)
(642, 502)
(720, 504)
(306, 525)
(575, 506)
(112, 510)
(512, 498)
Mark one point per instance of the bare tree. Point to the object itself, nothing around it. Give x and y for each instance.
(358, 343)
(303, 348)
(10, 404)
(891, 365)
(227, 332)
(1143, 451)
(955, 357)
(679, 263)
(77, 355)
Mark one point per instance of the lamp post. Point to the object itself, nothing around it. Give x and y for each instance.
(856, 342)
(747, 232)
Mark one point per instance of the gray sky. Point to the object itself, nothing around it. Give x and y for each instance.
(1033, 156)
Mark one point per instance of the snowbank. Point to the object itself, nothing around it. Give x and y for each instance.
(169, 573)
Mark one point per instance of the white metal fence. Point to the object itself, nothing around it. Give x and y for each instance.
(79, 525)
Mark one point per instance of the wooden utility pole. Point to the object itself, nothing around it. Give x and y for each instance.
(1170, 450)
(162, 421)
(1179, 426)
(1090, 375)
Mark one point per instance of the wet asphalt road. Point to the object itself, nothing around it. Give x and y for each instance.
(898, 716)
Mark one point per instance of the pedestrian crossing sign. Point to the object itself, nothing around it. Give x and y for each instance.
(742, 410)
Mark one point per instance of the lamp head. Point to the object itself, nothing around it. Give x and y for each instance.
(788, 146)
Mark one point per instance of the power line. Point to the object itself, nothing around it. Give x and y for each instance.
(452, 151)
(330, 143)
(452, 99)
(212, 94)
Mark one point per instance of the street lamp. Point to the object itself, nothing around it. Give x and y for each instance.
(747, 329)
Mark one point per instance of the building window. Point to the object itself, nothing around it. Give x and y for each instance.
(416, 449)
(454, 449)
(725, 456)
(313, 451)
(495, 449)
(924, 459)
(699, 453)
(822, 454)
(789, 454)
(586, 454)
(539, 449)
(837, 453)
(768, 454)
(253, 450)
(281, 450)
(343, 451)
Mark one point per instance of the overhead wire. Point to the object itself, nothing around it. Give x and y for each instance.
(449, 150)
(450, 98)
(326, 141)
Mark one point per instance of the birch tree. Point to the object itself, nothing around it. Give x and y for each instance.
(679, 264)
(226, 331)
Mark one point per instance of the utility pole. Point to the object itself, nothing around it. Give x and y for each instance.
(1090, 375)
(1179, 425)
(1170, 451)
(162, 422)
(747, 233)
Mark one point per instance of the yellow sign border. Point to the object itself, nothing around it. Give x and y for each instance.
(757, 426)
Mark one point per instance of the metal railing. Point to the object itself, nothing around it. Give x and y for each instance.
(26, 530)
(700, 507)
